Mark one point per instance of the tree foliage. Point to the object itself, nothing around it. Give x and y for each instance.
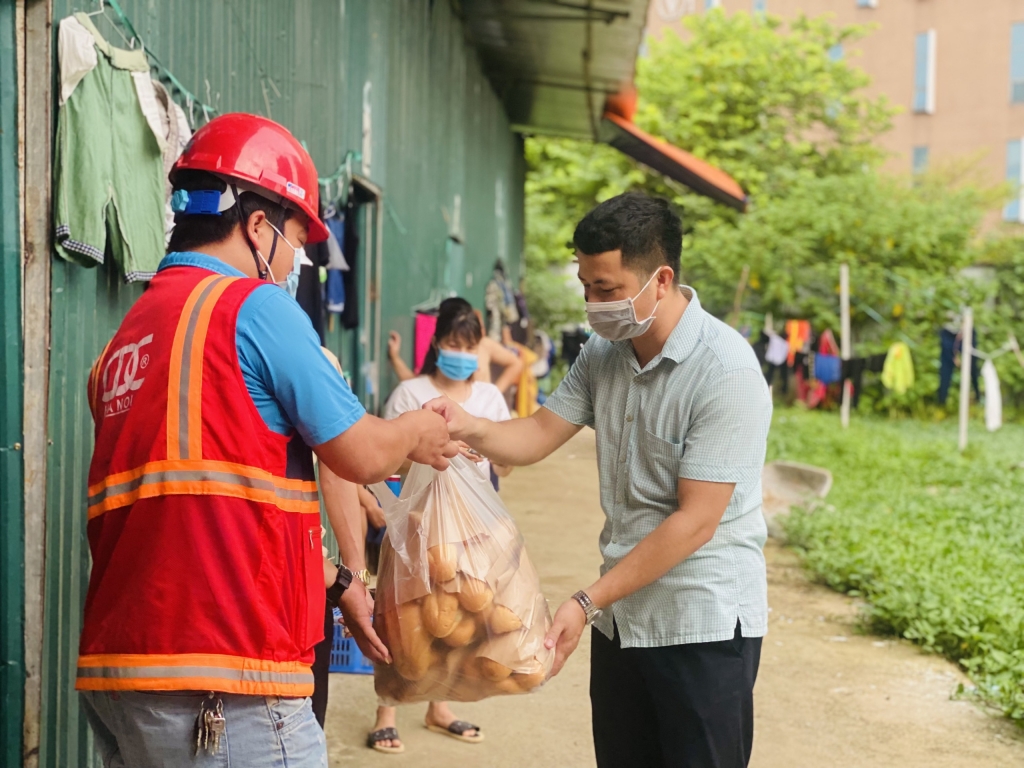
(791, 122)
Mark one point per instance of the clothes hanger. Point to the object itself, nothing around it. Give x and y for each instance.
(430, 304)
(103, 12)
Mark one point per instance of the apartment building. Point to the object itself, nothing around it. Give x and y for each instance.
(954, 67)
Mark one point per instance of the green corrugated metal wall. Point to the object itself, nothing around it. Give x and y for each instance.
(438, 131)
(12, 542)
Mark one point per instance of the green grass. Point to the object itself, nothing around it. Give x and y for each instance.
(933, 540)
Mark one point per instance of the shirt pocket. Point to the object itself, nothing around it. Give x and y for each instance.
(654, 479)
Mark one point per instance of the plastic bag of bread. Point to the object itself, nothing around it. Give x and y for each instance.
(458, 601)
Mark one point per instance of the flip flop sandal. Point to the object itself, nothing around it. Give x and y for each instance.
(457, 730)
(373, 741)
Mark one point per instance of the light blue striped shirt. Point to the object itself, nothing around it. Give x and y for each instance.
(700, 410)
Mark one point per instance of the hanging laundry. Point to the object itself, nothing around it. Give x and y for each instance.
(777, 352)
(827, 363)
(798, 333)
(898, 371)
(993, 397)
(171, 121)
(423, 334)
(500, 302)
(109, 156)
(310, 293)
(950, 343)
(853, 370)
(350, 315)
(336, 262)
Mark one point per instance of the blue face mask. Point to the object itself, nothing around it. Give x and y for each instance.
(457, 366)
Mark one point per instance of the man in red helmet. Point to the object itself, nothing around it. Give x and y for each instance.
(206, 596)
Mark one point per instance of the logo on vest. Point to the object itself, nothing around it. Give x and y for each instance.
(121, 377)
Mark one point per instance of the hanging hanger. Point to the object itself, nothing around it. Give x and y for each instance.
(117, 27)
(430, 304)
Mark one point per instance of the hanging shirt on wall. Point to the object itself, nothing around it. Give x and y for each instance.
(350, 279)
(109, 155)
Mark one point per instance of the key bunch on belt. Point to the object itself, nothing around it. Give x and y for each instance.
(210, 724)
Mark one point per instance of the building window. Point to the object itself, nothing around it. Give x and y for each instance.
(760, 6)
(920, 160)
(709, 4)
(1017, 64)
(924, 73)
(867, 3)
(836, 52)
(1012, 211)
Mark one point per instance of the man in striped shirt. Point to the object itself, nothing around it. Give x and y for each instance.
(681, 413)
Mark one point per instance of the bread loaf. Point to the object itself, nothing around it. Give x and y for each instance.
(442, 563)
(502, 620)
(492, 670)
(441, 613)
(463, 633)
(474, 594)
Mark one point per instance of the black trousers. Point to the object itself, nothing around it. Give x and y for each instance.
(678, 706)
(321, 665)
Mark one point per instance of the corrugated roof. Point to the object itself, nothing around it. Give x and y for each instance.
(553, 62)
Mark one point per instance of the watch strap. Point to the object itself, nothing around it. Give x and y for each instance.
(341, 583)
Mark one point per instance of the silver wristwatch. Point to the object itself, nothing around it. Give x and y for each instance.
(592, 611)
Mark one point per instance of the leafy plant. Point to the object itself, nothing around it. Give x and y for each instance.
(933, 540)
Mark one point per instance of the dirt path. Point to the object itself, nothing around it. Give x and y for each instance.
(825, 697)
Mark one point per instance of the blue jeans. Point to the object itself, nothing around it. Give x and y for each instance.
(157, 730)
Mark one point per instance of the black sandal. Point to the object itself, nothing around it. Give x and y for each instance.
(457, 730)
(373, 741)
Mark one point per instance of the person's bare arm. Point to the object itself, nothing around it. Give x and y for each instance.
(701, 506)
(502, 470)
(514, 443)
(341, 499)
(507, 360)
(402, 371)
(345, 513)
(372, 449)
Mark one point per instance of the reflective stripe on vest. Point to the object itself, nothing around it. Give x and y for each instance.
(185, 472)
(193, 671)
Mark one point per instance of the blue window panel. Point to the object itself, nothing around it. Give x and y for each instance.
(1013, 175)
(867, 3)
(836, 52)
(1017, 64)
(920, 160)
(709, 4)
(760, 6)
(924, 72)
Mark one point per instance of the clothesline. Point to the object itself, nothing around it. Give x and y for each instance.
(192, 101)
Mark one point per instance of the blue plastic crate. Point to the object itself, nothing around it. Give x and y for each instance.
(346, 656)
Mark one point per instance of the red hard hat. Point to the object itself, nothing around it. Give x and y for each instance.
(261, 153)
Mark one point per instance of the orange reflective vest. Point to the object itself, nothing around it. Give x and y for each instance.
(203, 524)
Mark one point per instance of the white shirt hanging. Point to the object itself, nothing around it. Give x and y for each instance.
(993, 397)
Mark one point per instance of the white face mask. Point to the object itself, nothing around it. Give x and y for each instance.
(291, 281)
(616, 320)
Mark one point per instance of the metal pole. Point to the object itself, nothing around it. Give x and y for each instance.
(966, 361)
(844, 336)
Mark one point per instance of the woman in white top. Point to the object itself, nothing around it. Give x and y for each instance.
(449, 370)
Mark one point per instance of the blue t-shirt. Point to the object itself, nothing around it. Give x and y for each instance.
(289, 379)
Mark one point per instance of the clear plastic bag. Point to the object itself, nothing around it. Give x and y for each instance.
(458, 602)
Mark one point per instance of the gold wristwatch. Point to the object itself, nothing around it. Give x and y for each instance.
(363, 576)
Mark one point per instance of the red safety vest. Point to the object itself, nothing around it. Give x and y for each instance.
(204, 524)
